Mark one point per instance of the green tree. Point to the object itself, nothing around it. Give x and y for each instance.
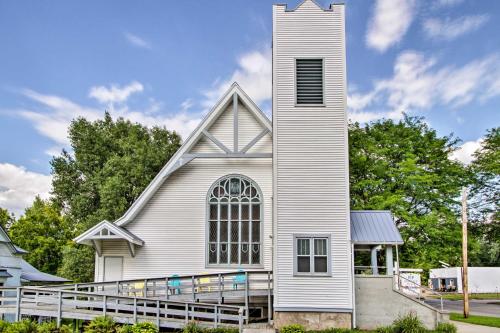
(6, 218)
(485, 200)
(77, 263)
(43, 232)
(405, 167)
(111, 164)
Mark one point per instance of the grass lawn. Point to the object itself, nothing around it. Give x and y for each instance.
(459, 297)
(478, 320)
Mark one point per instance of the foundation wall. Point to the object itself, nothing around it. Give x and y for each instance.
(313, 320)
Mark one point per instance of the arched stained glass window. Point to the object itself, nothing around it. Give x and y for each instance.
(234, 222)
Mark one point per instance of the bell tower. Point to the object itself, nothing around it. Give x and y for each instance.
(313, 272)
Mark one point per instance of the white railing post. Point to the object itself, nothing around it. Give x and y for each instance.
(135, 310)
(219, 279)
(192, 288)
(59, 308)
(240, 320)
(216, 316)
(247, 295)
(166, 288)
(158, 314)
(18, 304)
(104, 305)
(186, 314)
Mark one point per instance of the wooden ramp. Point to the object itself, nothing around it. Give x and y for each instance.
(212, 300)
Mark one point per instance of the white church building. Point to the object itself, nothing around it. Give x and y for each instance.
(244, 193)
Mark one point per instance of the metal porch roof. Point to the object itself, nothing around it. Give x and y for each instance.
(374, 227)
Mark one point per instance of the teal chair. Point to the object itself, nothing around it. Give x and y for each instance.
(241, 278)
(174, 284)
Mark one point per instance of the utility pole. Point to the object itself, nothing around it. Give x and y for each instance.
(465, 282)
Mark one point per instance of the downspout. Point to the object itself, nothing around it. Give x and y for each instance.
(353, 288)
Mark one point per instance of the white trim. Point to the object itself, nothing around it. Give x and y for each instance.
(189, 143)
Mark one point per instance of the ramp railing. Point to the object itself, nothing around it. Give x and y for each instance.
(208, 287)
(414, 289)
(60, 303)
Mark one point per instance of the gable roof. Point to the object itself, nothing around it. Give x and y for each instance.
(107, 230)
(374, 227)
(182, 157)
(4, 238)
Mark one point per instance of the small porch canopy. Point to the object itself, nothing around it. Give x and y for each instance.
(108, 231)
(370, 231)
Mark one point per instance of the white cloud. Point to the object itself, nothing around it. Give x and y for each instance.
(55, 114)
(187, 104)
(446, 3)
(18, 187)
(58, 112)
(367, 116)
(115, 93)
(389, 23)
(254, 75)
(466, 150)
(419, 83)
(137, 41)
(448, 29)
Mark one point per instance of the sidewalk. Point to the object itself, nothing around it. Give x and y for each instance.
(469, 328)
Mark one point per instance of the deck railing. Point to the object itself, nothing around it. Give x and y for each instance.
(60, 303)
(210, 287)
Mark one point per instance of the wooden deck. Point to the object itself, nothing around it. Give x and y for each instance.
(212, 300)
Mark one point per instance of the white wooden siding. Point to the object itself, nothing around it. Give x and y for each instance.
(310, 152)
(172, 225)
(223, 127)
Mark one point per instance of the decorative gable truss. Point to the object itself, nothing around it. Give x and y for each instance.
(234, 128)
(108, 231)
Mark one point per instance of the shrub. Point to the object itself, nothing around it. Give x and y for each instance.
(294, 328)
(144, 327)
(446, 328)
(3, 326)
(385, 329)
(51, 327)
(192, 327)
(408, 324)
(124, 329)
(221, 330)
(101, 325)
(333, 330)
(23, 326)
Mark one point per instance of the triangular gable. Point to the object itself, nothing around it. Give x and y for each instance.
(185, 154)
(106, 230)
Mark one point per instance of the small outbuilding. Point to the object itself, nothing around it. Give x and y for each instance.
(481, 279)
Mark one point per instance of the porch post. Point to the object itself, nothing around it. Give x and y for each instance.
(374, 261)
(389, 261)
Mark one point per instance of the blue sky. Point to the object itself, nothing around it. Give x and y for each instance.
(166, 62)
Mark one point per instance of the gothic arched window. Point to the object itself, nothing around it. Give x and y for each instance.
(234, 225)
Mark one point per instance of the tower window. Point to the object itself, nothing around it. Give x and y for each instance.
(309, 81)
(312, 255)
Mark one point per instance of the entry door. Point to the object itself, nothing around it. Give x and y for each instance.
(113, 268)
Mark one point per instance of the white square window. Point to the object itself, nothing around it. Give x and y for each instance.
(311, 255)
